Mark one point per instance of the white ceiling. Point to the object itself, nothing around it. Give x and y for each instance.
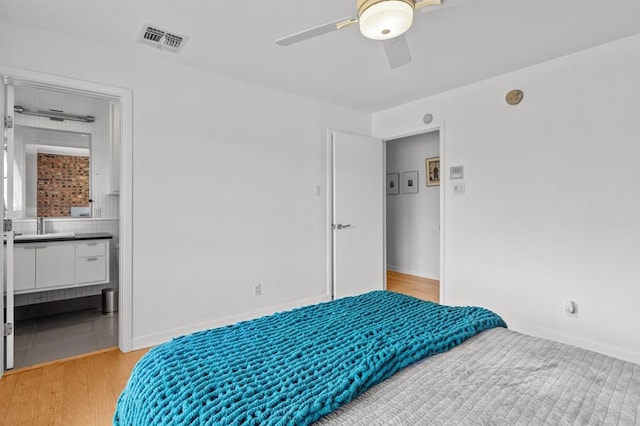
(467, 41)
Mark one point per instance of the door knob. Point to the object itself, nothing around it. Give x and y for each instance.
(341, 226)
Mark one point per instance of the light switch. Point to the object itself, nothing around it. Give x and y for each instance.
(458, 188)
(317, 190)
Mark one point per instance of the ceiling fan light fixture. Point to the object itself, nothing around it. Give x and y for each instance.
(386, 19)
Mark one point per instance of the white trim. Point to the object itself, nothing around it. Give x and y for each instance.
(125, 97)
(125, 330)
(444, 181)
(162, 337)
(385, 267)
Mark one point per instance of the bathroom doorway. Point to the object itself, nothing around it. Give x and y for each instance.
(63, 192)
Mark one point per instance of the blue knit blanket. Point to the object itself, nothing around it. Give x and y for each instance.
(291, 367)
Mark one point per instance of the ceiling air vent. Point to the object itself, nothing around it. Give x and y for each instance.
(161, 39)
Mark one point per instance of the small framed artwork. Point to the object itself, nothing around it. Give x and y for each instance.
(432, 170)
(393, 187)
(409, 182)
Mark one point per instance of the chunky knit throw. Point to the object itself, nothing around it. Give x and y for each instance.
(291, 367)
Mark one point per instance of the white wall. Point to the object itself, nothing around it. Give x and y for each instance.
(552, 202)
(223, 185)
(413, 220)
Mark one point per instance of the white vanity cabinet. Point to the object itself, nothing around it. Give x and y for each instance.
(60, 264)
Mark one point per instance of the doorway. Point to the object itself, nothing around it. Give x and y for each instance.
(56, 319)
(413, 215)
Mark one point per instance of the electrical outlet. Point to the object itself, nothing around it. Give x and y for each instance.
(257, 289)
(98, 211)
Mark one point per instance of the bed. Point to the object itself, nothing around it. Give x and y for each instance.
(377, 359)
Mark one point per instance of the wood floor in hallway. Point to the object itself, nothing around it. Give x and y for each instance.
(422, 288)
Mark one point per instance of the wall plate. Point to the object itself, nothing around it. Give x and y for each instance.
(456, 172)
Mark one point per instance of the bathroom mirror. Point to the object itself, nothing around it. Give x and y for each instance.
(51, 173)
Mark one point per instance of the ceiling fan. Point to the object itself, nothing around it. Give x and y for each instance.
(385, 20)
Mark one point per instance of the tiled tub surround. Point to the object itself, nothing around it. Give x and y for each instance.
(112, 226)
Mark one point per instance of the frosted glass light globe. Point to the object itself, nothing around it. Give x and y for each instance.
(386, 19)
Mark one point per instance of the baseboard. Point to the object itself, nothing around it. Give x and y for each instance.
(414, 272)
(591, 345)
(162, 337)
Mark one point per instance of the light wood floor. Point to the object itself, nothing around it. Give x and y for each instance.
(81, 391)
(422, 288)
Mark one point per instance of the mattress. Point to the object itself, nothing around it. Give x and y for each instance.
(501, 377)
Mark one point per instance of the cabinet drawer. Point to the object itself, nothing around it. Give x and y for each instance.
(91, 269)
(91, 248)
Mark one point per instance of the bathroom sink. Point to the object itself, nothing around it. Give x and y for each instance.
(29, 237)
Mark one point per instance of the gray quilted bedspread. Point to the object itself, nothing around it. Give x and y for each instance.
(501, 377)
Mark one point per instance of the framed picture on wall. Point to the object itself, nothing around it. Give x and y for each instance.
(409, 182)
(393, 187)
(432, 170)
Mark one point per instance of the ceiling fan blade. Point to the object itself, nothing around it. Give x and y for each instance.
(424, 3)
(316, 31)
(443, 5)
(397, 50)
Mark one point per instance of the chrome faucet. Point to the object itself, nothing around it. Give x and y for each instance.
(40, 226)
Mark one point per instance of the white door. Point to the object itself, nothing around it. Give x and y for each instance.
(358, 206)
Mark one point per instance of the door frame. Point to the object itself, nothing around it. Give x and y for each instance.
(444, 181)
(125, 98)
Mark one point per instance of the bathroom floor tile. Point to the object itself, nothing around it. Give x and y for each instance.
(107, 323)
(60, 320)
(62, 333)
(24, 327)
(107, 339)
(52, 351)
(77, 346)
(21, 341)
(20, 357)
